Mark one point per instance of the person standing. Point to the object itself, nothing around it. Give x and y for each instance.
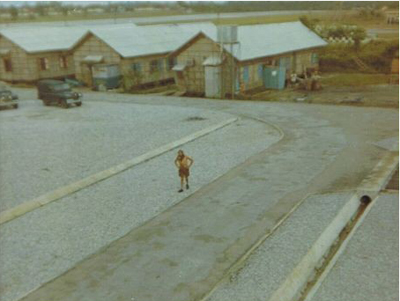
(183, 163)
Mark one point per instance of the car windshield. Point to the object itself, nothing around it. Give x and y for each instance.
(61, 87)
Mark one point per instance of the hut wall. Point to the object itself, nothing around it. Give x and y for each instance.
(297, 62)
(92, 46)
(146, 69)
(26, 66)
(193, 56)
(18, 58)
(249, 74)
(55, 69)
(304, 61)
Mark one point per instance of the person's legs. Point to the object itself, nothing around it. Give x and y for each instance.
(182, 182)
(187, 182)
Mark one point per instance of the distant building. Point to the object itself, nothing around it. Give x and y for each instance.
(28, 55)
(392, 16)
(261, 56)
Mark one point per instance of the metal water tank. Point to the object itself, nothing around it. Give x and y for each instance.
(227, 34)
(106, 76)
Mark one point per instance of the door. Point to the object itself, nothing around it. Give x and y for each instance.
(87, 77)
(274, 77)
(212, 81)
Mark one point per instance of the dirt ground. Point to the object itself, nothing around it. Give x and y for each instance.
(385, 96)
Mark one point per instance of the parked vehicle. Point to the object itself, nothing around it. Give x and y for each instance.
(7, 98)
(56, 92)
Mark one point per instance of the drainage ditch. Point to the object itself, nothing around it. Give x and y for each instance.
(394, 181)
(318, 271)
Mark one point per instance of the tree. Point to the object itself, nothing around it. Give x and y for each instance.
(14, 12)
(358, 35)
(41, 9)
(64, 10)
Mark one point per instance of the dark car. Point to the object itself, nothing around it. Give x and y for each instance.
(56, 92)
(7, 99)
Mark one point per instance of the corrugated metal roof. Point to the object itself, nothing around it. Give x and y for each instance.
(130, 40)
(213, 60)
(272, 39)
(179, 67)
(146, 40)
(38, 39)
(93, 59)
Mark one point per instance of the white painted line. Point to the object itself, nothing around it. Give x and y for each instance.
(61, 192)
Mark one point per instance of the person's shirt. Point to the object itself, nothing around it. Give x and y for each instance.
(185, 162)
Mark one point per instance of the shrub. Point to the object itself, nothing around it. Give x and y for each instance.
(377, 54)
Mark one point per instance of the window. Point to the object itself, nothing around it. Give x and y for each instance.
(153, 66)
(63, 62)
(44, 63)
(160, 64)
(136, 67)
(246, 74)
(260, 71)
(7, 65)
(171, 62)
(314, 58)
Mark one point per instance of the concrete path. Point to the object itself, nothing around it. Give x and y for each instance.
(274, 261)
(50, 240)
(183, 253)
(368, 267)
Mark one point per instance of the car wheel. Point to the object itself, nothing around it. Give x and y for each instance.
(15, 106)
(63, 103)
(78, 104)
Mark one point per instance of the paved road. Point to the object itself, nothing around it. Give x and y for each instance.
(163, 19)
(184, 251)
(84, 141)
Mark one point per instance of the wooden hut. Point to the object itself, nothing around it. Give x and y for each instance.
(257, 57)
(28, 55)
(139, 52)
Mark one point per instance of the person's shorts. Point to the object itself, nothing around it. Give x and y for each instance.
(184, 172)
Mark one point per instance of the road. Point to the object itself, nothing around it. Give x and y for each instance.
(183, 249)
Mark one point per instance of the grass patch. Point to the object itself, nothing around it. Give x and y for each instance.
(354, 79)
(377, 55)
(388, 36)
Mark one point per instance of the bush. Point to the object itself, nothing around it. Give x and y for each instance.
(377, 54)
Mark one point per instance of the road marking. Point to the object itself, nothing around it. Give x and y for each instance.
(61, 192)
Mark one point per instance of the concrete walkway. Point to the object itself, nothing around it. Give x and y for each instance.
(368, 267)
(183, 253)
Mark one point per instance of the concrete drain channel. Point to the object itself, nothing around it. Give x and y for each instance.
(394, 181)
(328, 259)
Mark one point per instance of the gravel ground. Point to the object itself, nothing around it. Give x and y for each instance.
(368, 267)
(44, 148)
(274, 260)
(64, 232)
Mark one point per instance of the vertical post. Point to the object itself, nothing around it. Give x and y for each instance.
(233, 78)
(221, 69)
